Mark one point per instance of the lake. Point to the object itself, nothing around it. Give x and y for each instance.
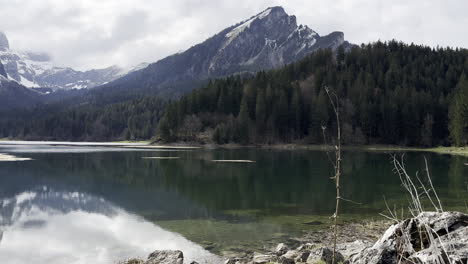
(101, 204)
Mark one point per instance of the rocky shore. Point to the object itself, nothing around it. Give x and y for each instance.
(430, 237)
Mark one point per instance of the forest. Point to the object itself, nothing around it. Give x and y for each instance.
(389, 93)
(132, 120)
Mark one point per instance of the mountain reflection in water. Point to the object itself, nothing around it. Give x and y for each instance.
(50, 226)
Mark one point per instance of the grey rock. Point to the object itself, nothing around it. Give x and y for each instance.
(283, 260)
(297, 255)
(166, 257)
(324, 254)
(409, 239)
(237, 261)
(456, 245)
(281, 249)
(302, 256)
(292, 254)
(353, 248)
(307, 246)
(264, 258)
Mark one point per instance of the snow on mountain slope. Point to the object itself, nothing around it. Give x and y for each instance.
(13, 94)
(267, 40)
(37, 70)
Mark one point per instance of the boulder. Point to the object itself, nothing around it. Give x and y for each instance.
(297, 255)
(431, 237)
(166, 257)
(350, 249)
(281, 249)
(324, 254)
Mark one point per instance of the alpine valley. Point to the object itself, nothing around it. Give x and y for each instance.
(259, 81)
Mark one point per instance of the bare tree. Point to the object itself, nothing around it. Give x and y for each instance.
(336, 161)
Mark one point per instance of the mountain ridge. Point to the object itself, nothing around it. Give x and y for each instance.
(33, 70)
(270, 39)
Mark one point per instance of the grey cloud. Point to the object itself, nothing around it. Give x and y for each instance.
(88, 33)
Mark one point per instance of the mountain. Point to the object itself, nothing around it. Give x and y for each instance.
(13, 95)
(33, 69)
(386, 93)
(267, 40)
(2, 71)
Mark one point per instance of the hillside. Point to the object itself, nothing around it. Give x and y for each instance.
(390, 93)
(268, 40)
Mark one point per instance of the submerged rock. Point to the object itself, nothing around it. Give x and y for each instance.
(430, 237)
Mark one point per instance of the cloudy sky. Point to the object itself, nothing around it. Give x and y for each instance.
(94, 34)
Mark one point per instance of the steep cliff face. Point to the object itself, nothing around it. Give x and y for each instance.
(267, 40)
(2, 71)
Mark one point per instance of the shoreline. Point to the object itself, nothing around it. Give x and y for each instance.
(460, 151)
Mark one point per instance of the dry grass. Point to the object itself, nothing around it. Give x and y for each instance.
(418, 190)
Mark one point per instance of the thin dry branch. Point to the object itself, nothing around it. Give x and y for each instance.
(334, 101)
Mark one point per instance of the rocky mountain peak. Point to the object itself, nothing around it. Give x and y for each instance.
(4, 44)
(269, 39)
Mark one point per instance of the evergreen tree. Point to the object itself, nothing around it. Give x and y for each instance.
(260, 114)
(243, 121)
(459, 113)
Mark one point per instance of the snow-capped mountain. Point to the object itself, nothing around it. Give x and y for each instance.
(37, 70)
(267, 40)
(13, 94)
(3, 72)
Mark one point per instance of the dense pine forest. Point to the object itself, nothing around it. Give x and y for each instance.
(389, 93)
(132, 120)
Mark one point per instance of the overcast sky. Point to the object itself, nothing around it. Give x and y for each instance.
(98, 33)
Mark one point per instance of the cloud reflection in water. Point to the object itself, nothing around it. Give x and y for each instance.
(46, 226)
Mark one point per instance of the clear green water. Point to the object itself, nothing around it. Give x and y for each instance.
(222, 207)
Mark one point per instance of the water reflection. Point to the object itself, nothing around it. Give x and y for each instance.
(50, 226)
(221, 206)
